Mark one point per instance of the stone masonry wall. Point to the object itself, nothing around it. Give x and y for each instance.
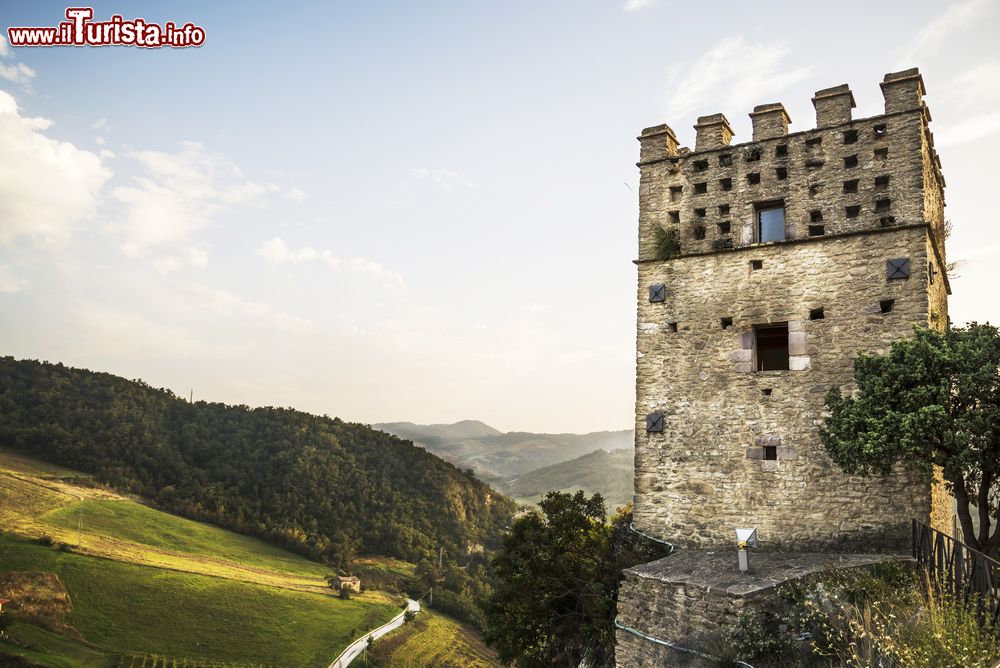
(809, 170)
(668, 611)
(740, 447)
(703, 475)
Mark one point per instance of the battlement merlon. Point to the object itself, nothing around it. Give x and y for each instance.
(833, 106)
(902, 91)
(769, 121)
(712, 132)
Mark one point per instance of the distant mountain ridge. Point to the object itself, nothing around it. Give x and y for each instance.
(505, 457)
(609, 473)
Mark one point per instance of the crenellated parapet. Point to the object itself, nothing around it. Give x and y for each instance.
(844, 176)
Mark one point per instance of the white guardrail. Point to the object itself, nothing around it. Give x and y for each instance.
(355, 649)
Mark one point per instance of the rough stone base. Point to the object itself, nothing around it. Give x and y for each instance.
(687, 597)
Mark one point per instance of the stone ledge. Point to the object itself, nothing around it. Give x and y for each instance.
(716, 571)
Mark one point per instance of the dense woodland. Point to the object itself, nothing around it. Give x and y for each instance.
(318, 485)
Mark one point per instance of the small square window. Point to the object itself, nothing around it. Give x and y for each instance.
(781, 173)
(672, 326)
(812, 142)
(723, 209)
(771, 347)
(885, 306)
(879, 130)
(766, 391)
(756, 264)
(753, 155)
(699, 233)
(882, 153)
(700, 165)
(700, 213)
(675, 193)
(881, 182)
(770, 452)
(815, 216)
(882, 205)
(726, 323)
(726, 184)
(852, 211)
(781, 150)
(851, 161)
(887, 221)
(851, 186)
(816, 314)
(753, 179)
(675, 217)
(817, 230)
(726, 160)
(771, 222)
(724, 228)
(850, 136)
(700, 188)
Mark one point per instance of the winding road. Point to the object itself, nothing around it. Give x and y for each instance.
(358, 646)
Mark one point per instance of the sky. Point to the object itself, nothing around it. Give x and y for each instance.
(418, 211)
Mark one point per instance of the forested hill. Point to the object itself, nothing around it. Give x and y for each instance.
(319, 485)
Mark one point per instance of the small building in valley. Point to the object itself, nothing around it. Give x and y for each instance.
(349, 582)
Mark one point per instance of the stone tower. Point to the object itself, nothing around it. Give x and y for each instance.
(763, 268)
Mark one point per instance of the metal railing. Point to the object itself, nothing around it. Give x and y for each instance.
(962, 571)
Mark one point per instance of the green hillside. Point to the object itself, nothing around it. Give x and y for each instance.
(124, 608)
(317, 485)
(432, 639)
(97, 579)
(607, 473)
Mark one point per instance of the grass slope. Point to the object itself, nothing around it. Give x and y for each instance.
(37, 501)
(213, 594)
(136, 609)
(432, 639)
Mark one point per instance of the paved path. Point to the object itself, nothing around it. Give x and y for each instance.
(355, 649)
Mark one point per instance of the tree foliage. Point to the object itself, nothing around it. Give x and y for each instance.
(317, 485)
(557, 577)
(932, 400)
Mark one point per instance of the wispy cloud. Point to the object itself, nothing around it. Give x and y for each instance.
(277, 252)
(217, 302)
(956, 18)
(47, 187)
(18, 73)
(971, 128)
(635, 5)
(179, 195)
(733, 77)
(972, 88)
(440, 178)
(9, 282)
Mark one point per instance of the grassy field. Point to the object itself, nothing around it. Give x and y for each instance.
(37, 499)
(123, 607)
(146, 585)
(134, 523)
(143, 582)
(432, 639)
